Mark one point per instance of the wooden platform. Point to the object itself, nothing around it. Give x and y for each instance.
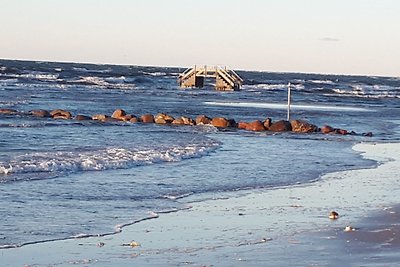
(225, 79)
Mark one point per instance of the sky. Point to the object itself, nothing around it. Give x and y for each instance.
(313, 36)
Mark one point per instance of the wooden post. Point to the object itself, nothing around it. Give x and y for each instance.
(289, 101)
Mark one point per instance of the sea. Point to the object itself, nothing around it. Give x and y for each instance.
(62, 179)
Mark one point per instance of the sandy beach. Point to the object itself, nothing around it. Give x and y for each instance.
(280, 227)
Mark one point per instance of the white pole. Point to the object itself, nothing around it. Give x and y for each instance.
(289, 101)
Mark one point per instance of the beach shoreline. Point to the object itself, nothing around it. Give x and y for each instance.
(285, 226)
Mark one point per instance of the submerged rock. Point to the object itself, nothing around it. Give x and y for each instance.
(8, 111)
(41, 113)
(83, 118)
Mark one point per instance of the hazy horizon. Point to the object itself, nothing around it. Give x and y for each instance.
(354, 37)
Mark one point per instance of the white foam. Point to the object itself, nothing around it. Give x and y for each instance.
(284, 106)
(110, 158)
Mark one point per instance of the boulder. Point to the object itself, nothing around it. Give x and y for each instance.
(41, 113)
(242, 125)
(327, 129)
(341, 131)
(188, 121)
(118, 114)
(267, 123)
(147, 118)
(202, 120)
(134, 119)
(163, 118)
(178, 121)
(83, 118)
(61, 114)
(220, 122)
(110, 119)
(232, 123)
(125, 118)
(8, 111)
(256, 126)
(280, 126)
(99, 117)
(301, 126)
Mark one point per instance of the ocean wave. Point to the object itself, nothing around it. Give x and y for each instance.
(93, 71)
(39, 76)
(264, 86)
(330, 82)
(157, 73)
(374, 91)
(106, 159)
(104, 83)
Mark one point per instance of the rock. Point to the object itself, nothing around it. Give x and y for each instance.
(327, 129)
(188, 121)
(232, 123)
(184, 121)
(99, 117)
(118, 114)
(134, 119)
(110, 119)
(349, 229)
(126, 118)
(301, 126)
(83, 118)
(178, 121)
(369, 134)
(280, 126)
(61, 114)
(220, 122)
(147, 118)
(341, 131)
(202, 120)
(41, 113)
(267, 123)
(333, 215)
(242, 125)
(256, 126)
(8, 111)
(162, 118)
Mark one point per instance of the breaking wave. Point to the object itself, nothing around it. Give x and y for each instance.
(105, 159)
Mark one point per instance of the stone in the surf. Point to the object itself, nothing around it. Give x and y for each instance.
(188, 121)
(242, 125)
(341, 131)
(220, 122)
(301, 126)
(184, 121)
(147, 118)
(280, 126)
(99, 117)
(118, 114)
(134, 119)
(162, 118)
(255, 126)
(126, 117)
(267, 123)
(178, 121)
(61, 114)
(202, 120)
(82, 118)
(327, 129)
(41, 113)
(8, 111)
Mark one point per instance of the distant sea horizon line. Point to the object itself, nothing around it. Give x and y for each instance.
(185, 67)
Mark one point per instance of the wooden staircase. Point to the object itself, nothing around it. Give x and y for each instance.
(225, 79)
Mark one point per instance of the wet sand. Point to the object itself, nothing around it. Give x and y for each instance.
(280, 227)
